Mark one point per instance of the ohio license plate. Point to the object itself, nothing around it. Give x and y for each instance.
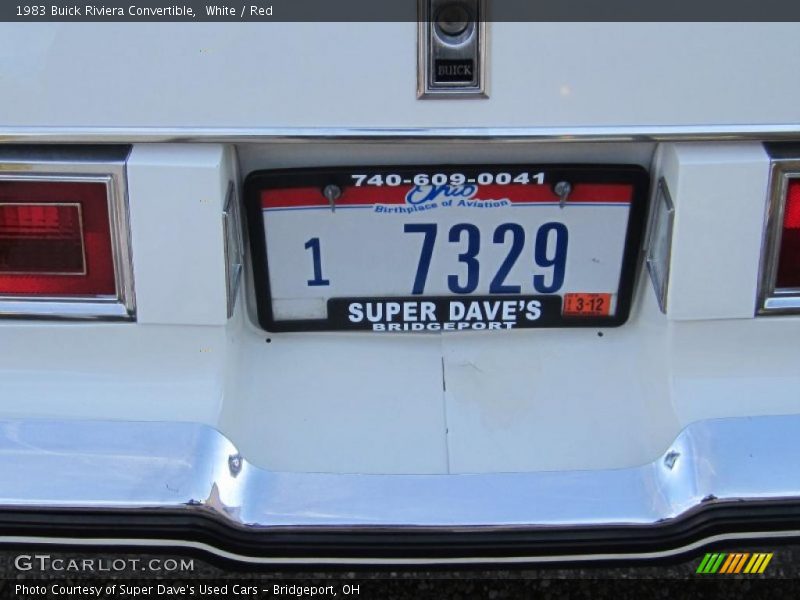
(446, 248)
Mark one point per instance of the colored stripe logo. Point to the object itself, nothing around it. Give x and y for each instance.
(734, 563)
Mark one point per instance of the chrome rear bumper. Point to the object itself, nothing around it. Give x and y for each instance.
(181, 484)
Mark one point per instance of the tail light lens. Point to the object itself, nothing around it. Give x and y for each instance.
(38, 238)
(55, 239)
(788, 271)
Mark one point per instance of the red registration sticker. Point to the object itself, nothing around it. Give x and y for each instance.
(587, 305)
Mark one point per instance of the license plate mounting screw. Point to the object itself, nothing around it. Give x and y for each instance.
(332, 192)
(562, 190)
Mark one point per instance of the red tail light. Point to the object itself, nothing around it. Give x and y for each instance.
(55, 239)
(788, 275)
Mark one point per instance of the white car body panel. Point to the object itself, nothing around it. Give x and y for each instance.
(363, 75)
(719, 228)
(180, 279)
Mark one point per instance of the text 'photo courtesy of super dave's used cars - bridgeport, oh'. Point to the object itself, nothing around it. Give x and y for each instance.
(369, 293)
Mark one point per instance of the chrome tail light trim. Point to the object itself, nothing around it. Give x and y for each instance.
(100, 165)
(771, 299)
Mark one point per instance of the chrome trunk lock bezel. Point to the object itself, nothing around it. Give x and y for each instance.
(457, 51)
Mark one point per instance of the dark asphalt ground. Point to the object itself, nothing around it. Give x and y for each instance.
(621, 580)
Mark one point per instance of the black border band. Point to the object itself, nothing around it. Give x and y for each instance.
(372, 546)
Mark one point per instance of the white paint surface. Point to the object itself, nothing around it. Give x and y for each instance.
(719, 192)
(176, 197)
(325, 402)
(469, 402)
(516, 401)
(364, 75)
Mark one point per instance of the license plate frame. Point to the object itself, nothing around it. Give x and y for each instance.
(319, 177)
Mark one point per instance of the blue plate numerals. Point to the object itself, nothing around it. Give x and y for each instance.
(316, 259)
(510, 234)
(467, 236)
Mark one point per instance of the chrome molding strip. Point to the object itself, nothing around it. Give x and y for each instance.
(193, 468)
(78, 166)
(234, 247)
(115, 135)
(658, 243)
(80, 308)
